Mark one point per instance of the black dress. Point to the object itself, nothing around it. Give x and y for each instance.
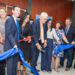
(25, 46)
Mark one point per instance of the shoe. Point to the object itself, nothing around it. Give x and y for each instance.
(43, 70)
(60, 66)
(32, 72)
(49, 71)
(57, 70)
(67, 69)
(36, 70)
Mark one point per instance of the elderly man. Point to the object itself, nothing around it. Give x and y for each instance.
(39, 40)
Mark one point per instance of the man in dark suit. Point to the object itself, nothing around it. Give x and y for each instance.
(11, 38)
(39, 40)
(70, 34)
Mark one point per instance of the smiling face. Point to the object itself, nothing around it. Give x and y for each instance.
(16, 12)
(2, 13)
(68, 22)
(58, 25)
(27, 18)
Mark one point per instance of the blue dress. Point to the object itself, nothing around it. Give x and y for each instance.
(59, 34)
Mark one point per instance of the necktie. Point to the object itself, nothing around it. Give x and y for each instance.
(66, 30)
(41, 33)
(18, 30)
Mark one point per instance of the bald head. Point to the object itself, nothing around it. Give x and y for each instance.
(43, 17)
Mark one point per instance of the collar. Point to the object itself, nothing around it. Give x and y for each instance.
(14, 18)
(68, 25)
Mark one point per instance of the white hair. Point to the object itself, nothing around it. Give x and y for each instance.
(43, 14)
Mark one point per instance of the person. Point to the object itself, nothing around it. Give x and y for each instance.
(61, 35)
(11, 39)
(3, 15)
(39, 40)
(74, 66)
(48, 55)
(56, 57)
(70, 34)
(25, 46)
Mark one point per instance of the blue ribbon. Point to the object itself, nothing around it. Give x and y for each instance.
(12, 52)
(62, 47)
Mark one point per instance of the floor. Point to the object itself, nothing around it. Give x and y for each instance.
(62, 71)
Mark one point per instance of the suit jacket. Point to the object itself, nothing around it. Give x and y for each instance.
(36, 31)
(71, 34)
(11, 34)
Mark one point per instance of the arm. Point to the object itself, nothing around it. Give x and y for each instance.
(21, 36)
(30, 30)
(74, 34)
(45, 36)
(34, 28)
(64, 38)
(1, 39)
(55, 36)
(73, 42)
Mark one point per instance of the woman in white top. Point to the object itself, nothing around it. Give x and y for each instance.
(48, 55)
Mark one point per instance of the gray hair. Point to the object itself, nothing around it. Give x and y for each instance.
(43, 15)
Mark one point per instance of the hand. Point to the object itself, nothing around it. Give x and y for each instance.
(38, 46)
(29, 41)
(25, 40)
(73, 42)
(45, 44)
(15, 46)
(58, 42)
(2, 40)
(67, 42)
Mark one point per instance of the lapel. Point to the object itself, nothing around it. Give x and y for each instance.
(69, 29)
(38, 25)
(64, 29)
(14, 24)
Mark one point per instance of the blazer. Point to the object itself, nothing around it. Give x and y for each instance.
(70, 34)
(36, 31)
(11, 34)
